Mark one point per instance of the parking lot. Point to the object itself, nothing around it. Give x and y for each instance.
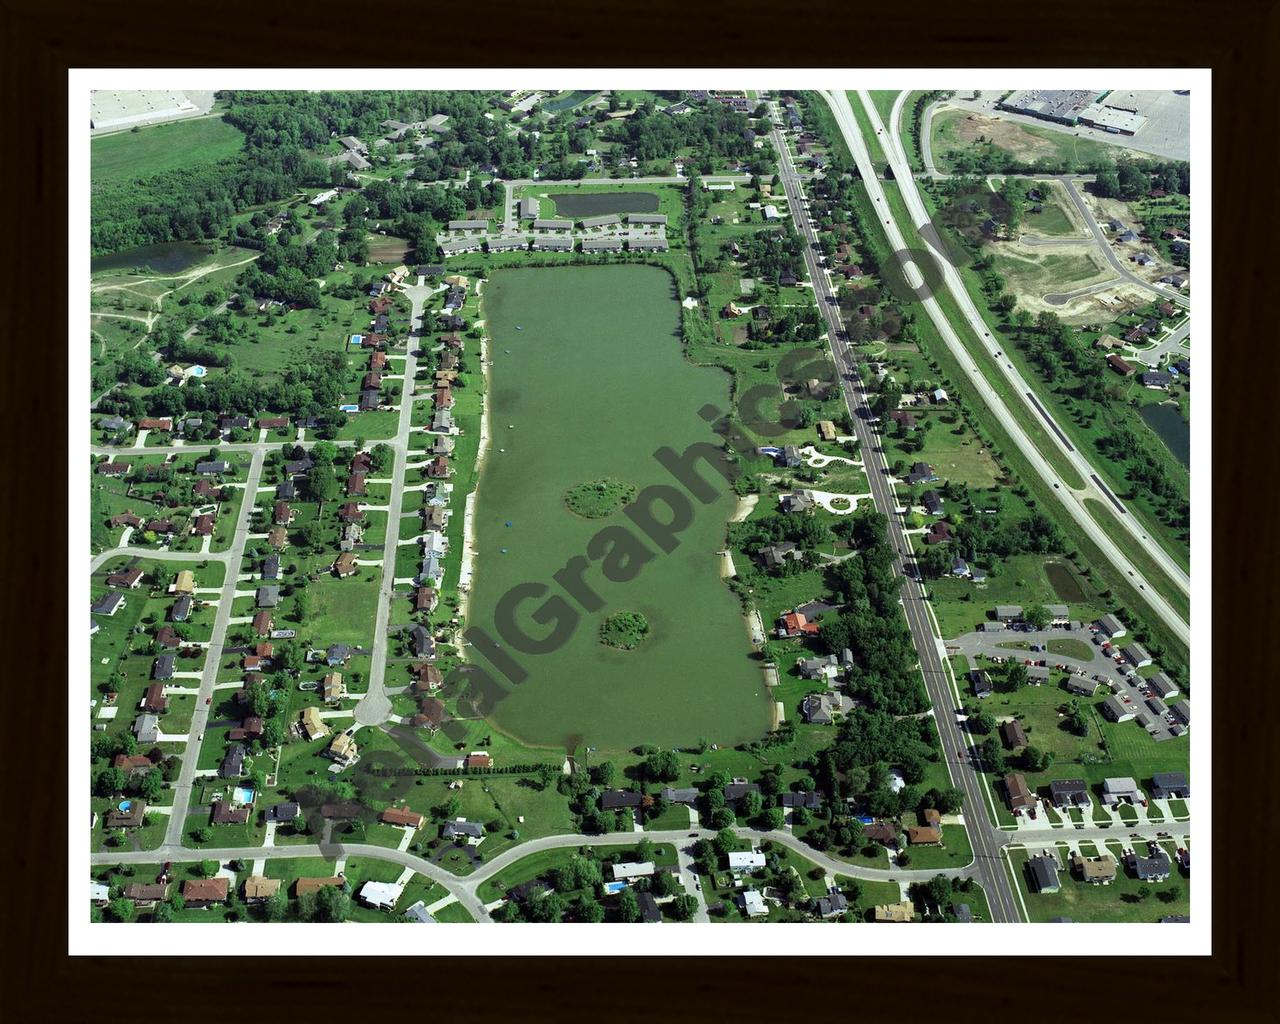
(1107, 666)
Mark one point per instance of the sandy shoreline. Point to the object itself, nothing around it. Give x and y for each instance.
(466, 571)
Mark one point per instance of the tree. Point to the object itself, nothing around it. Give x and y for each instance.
(209, 868)
(120, 910)
(275, 906)
(773, 820)
(333, 904)
(1037, 616)
(983, 722)
(1036, 760)
(589, 909)
(725, 842)
(1144, 891)
(628, 906)
(110, 781)
(682, 908)
(546, 774)
(151, 786)
(662, 766)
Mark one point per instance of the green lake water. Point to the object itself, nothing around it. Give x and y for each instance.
(593, 383)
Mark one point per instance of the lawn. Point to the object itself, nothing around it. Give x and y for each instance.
(606, 324)
(129, 156)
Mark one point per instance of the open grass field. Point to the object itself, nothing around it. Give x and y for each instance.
(128, 156)
(1057, 217)
(959, 129)
(590, 387)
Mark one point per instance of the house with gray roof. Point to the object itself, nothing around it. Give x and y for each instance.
(1065, 794)
(462, 828)
(553, 244)
(553, 224)
(1044, 873)
(1121, 790)
(646, 218)
(612, 243)
(1116, 710)
(603, 221)
(1163, 686)
(1137, 655)
(468, 225)
(268, 597)
(1166, 785)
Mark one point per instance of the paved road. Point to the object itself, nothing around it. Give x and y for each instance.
(375, 706)
(1121, 267)
(466, 888)
(1072, 500)
(989, 868)
(160, 553)
(200, 447)
(213, 655)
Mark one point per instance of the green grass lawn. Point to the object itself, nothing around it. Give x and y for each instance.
(128, 156)
(955, 853)
(606, 324)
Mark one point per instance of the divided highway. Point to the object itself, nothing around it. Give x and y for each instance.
(1072, 500)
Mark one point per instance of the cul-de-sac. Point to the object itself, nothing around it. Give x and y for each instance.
(733, 505)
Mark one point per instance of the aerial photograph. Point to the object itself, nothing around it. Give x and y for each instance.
(701, 506)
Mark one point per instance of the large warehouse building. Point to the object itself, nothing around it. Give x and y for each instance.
(116, 110)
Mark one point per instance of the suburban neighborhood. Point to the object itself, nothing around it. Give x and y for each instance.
(550, 506)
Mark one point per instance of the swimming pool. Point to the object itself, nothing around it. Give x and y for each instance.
(611, 888)
(242, 795)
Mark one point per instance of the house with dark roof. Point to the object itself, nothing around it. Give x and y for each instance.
(1012, 734)
(1154, 867)
(1043, 871)
(980, 681)
(1170, 785)
(617, 799)
(1065, 794)
(232, 766)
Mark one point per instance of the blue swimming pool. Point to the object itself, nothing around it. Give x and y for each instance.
(243, 795)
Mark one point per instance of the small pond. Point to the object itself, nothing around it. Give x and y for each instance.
(160, 258)
(1166, 420)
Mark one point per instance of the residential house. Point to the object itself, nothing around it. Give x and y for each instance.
(402, 817)
(1099, 870)
(1170, 785)
(894, 913)
(311, 724)
(198, 893)
(1065, 794)
(343, 750)
(1018, 794)
(1012, 734)
(1121, 790)
(1044, 873)
(127, 578)
(259, 888)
